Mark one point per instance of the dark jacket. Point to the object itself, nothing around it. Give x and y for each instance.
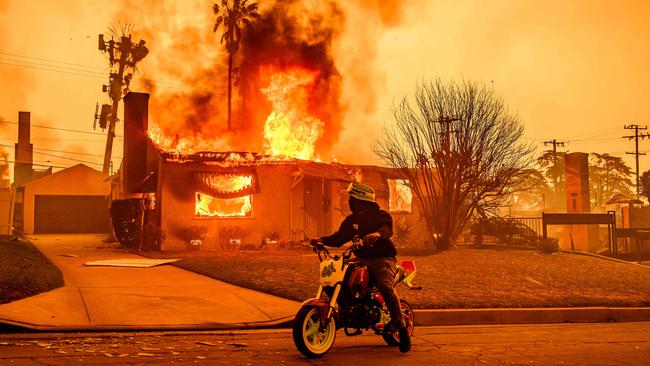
(362, 223)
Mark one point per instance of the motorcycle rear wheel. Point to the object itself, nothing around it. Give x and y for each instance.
(310, 338)
(392, 339)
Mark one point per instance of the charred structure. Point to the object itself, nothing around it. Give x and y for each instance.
(231, 199)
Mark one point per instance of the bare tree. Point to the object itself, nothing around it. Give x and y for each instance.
(460, 149)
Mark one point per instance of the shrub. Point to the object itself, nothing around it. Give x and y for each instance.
(548, 246)
(126, 215)
(228, 233)
(194, 236)
(153, 237)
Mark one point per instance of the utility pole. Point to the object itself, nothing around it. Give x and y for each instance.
(636, 153)
(123, 56)
(556, 174)
(447, 131)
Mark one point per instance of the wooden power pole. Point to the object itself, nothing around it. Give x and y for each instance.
(636, 152)
(123, 56)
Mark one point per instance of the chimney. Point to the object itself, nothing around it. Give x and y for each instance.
(136, 121)
(24, 151)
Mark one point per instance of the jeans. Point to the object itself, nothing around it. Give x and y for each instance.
(383, 271)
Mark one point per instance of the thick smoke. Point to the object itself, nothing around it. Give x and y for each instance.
(186, 70)
(291, 34)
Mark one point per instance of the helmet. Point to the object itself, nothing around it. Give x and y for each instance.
(361, 192)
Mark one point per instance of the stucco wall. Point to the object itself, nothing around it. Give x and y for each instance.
(76, 180)
(278, 208)
(270, 207)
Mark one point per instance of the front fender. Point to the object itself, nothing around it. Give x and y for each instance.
(322, 305)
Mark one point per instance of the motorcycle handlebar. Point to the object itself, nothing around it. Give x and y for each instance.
(319, 248)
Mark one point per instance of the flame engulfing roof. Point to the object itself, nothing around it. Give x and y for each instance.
(233, 159)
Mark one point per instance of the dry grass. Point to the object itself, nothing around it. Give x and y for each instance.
(24, 271)
(462, 278)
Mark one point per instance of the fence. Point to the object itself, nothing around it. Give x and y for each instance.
(506, 230)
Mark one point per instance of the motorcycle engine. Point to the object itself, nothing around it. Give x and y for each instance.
(362, 314)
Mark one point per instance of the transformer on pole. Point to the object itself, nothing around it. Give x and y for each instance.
(123, 55)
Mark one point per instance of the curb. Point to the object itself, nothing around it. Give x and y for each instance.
(429, 317)
(274, 323)
(423, 317)
(603, 257)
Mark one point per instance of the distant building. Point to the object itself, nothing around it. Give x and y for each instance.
(23, 166)
(72, 200)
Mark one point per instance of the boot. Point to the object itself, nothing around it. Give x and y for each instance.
(404, 340)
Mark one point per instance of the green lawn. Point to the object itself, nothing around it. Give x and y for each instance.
(460, 278)
(24, 271)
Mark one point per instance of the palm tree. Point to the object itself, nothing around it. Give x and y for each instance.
(233, 17)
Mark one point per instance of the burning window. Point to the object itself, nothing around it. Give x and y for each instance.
(400, 196)
(208, 206)
(224, 194)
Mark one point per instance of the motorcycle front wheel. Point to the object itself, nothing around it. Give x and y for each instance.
(392, 339)
(311, 339)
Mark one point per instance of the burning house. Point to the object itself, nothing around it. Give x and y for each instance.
(231, 199)
(261, 177)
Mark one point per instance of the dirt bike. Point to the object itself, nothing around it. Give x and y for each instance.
(351, 302)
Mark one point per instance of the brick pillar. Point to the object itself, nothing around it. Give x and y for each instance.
(576, 177)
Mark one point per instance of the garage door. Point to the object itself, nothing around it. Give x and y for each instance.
(70, 214)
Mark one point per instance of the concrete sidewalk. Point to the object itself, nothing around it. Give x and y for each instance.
(116, 298)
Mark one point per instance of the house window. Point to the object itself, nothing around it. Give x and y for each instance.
(209, 206)
(223, 195)
(400, 197)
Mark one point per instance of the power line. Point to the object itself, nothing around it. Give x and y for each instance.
(46, 165)
(50, 60)
(592, 134)
(66, 158)
(92, 75)
(73, 71)
(50, 66)
(61, 129)
(60, 151)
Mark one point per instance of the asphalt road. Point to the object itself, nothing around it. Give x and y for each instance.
(555, 344)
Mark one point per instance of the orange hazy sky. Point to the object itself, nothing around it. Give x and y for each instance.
(576, 71)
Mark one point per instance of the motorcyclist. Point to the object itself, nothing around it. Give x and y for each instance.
(375, 226)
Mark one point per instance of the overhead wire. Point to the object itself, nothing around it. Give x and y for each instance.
(50, 60)
(61, 129)
(39, 151)
(45, 165)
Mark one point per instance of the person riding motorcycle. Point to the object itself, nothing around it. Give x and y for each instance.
(375, 226)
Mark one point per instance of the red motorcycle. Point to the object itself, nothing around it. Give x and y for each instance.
(351, 302)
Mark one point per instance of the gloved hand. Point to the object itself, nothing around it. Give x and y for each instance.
(370, 239)
(316, 244)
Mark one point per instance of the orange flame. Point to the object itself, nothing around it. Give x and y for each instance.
(290, 130)
(208, 206)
